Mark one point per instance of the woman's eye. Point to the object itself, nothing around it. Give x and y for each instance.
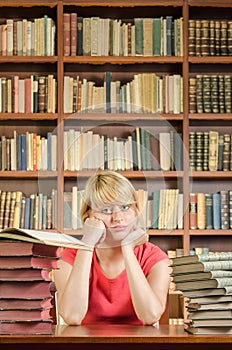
(125, 207)
(107, 211)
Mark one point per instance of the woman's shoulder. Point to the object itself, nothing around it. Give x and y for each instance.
(68, 255)
(148, 254)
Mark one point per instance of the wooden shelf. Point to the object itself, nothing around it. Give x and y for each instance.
(123, 68)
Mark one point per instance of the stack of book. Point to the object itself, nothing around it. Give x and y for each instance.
(206, 282)
(27, 259)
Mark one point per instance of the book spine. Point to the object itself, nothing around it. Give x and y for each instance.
(201, 214)
(66, 33)
(216, 211)
(193, 211)
(209, 211)
(224, 210)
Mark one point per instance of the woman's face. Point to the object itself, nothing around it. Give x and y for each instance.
(119, 220)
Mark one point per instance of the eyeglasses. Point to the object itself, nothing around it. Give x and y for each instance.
(115, 208)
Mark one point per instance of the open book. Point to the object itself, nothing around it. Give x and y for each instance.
(44, 237)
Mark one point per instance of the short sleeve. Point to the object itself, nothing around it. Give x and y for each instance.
(68, 255)
(148, 255)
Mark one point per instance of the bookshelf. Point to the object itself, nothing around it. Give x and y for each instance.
(124, 69)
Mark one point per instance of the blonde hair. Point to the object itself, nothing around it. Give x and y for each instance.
(105, 188)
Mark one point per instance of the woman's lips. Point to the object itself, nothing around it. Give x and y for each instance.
(118, 228)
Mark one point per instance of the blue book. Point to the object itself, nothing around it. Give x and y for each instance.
(27, 214)
(49, 151)
(155, 218)
(108, 91)
(24, 154)
(216, 211)
(209, 211)
(178, 151)
(169, 35)
(19, 151)
(79, 36)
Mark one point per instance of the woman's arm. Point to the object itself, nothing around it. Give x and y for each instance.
(72, 282)
(149, 294)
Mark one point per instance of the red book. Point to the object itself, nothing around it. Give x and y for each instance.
(25, 315)
(25, 304)
(34, 327)
(18, 248)
(25, 274)
(73, 33)
(18, 262)
(66, 33)
(27, 95)
(25, 290)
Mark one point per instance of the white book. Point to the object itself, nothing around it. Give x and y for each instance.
(28, 38)
(161, 209)
(32, 38)
(70, 95)
(10, 34)
(101, 153)
(89, 154)
(44, 157)
(180, 211)
(48, 36)
(65, 155)
(106, 26)
(53, 41)
(165, 150)
(132, 40)
(94, 35)
(54, 152)
(176, 93)
(84, 151)
(71, 148)
(77, 149)
(12, 155)
(110, 143)
(95, 153)
(66, 93)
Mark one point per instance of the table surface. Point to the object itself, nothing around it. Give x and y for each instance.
(116, 334)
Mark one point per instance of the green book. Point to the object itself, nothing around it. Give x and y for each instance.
(155, 218)
(157, 32)
(138, 36)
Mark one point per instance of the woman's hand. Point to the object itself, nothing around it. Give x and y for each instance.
(135, 238)
(94, 231)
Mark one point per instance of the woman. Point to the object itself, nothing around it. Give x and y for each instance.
(122, 278)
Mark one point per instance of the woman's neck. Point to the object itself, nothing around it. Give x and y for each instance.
(110, 261)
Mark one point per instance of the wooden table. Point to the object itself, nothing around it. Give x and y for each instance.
(113, 337)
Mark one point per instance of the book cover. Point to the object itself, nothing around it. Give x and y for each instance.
(219, 282)
(50, 238)
(25, 290)
(18, 248)
(25, 315)
(190, 259)
(25, 304)
(25, 274)
(18, 262)
(23, 327)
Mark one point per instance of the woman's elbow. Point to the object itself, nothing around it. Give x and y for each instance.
(152, 316)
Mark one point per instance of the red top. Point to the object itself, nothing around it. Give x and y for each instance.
(109, 298)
